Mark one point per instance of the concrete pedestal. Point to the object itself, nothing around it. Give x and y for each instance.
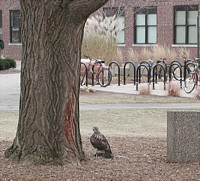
(183, 136)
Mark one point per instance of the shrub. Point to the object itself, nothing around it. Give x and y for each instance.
(7, 63)
(4, 64)
(12, 62)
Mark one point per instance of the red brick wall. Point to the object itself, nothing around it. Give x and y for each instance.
(10, 50)
(165, 24)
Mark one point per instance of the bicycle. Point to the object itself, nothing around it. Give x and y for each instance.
(149, 65)
(163, 70)
(95, 69)
(191, 79)
(179, 69)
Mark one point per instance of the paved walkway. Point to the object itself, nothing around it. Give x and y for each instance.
(140, 106)
(131, 89)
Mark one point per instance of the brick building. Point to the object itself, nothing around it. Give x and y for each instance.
(10, 28)
(147, 23)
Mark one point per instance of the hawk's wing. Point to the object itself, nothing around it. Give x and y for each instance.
(99, 141)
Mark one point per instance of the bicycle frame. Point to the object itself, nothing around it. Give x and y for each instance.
(95, 70)
(192, 79)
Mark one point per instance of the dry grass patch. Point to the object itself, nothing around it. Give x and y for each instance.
(174, 89)
(100, 37)
(145, 89)
(197, 96)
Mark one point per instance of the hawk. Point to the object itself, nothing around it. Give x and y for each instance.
(99, 141)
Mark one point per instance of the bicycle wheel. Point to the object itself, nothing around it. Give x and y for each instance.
(144, 75)
(190, 82)
(175, 71)
(104, 77)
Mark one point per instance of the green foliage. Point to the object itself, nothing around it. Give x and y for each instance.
(7, 63)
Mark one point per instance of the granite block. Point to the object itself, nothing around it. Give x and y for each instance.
(183, 136)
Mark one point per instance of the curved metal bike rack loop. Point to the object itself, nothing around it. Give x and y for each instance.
(176, 63)
(93, 72)
(138, 74)
(149, 71)
(145, 62)
(115, 63)
(165, 77)
(149, 66)
(126, 63)
(185, 68)
(186, 63)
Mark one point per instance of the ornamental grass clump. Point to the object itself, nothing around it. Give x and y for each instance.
(145, 54)
(197, 95)
(145, 89)
(162, 52)
(174, 89)
(184, 54)
(159, 52)
(133, 55)
(100, 35)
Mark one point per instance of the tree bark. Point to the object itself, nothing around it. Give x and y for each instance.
(48, 128)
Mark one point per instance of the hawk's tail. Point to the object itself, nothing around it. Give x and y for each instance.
(108, 154)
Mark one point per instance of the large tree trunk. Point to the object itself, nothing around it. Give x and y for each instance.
(48, 128)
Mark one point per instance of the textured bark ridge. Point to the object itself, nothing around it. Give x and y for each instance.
(48, 128)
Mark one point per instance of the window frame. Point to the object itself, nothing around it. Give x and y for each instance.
(1, 24)
(12, 26)
(145, 11)
(187, 26)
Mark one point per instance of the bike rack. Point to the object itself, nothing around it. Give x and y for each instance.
(93, 73)
(185, 68)
(155, 71)
(138, 74)
(146, 62)
(115, 63)
(186, 63)
(151, 71)
(86, 73)
(176, 63)
(126, 63)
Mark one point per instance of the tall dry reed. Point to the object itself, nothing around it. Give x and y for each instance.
(99, 39)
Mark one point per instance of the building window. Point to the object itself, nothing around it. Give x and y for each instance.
(1, 33)
(15, 26)
(185, 20)
(118, 24)
(145, 25)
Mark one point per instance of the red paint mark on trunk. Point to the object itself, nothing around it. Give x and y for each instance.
(69, 122)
